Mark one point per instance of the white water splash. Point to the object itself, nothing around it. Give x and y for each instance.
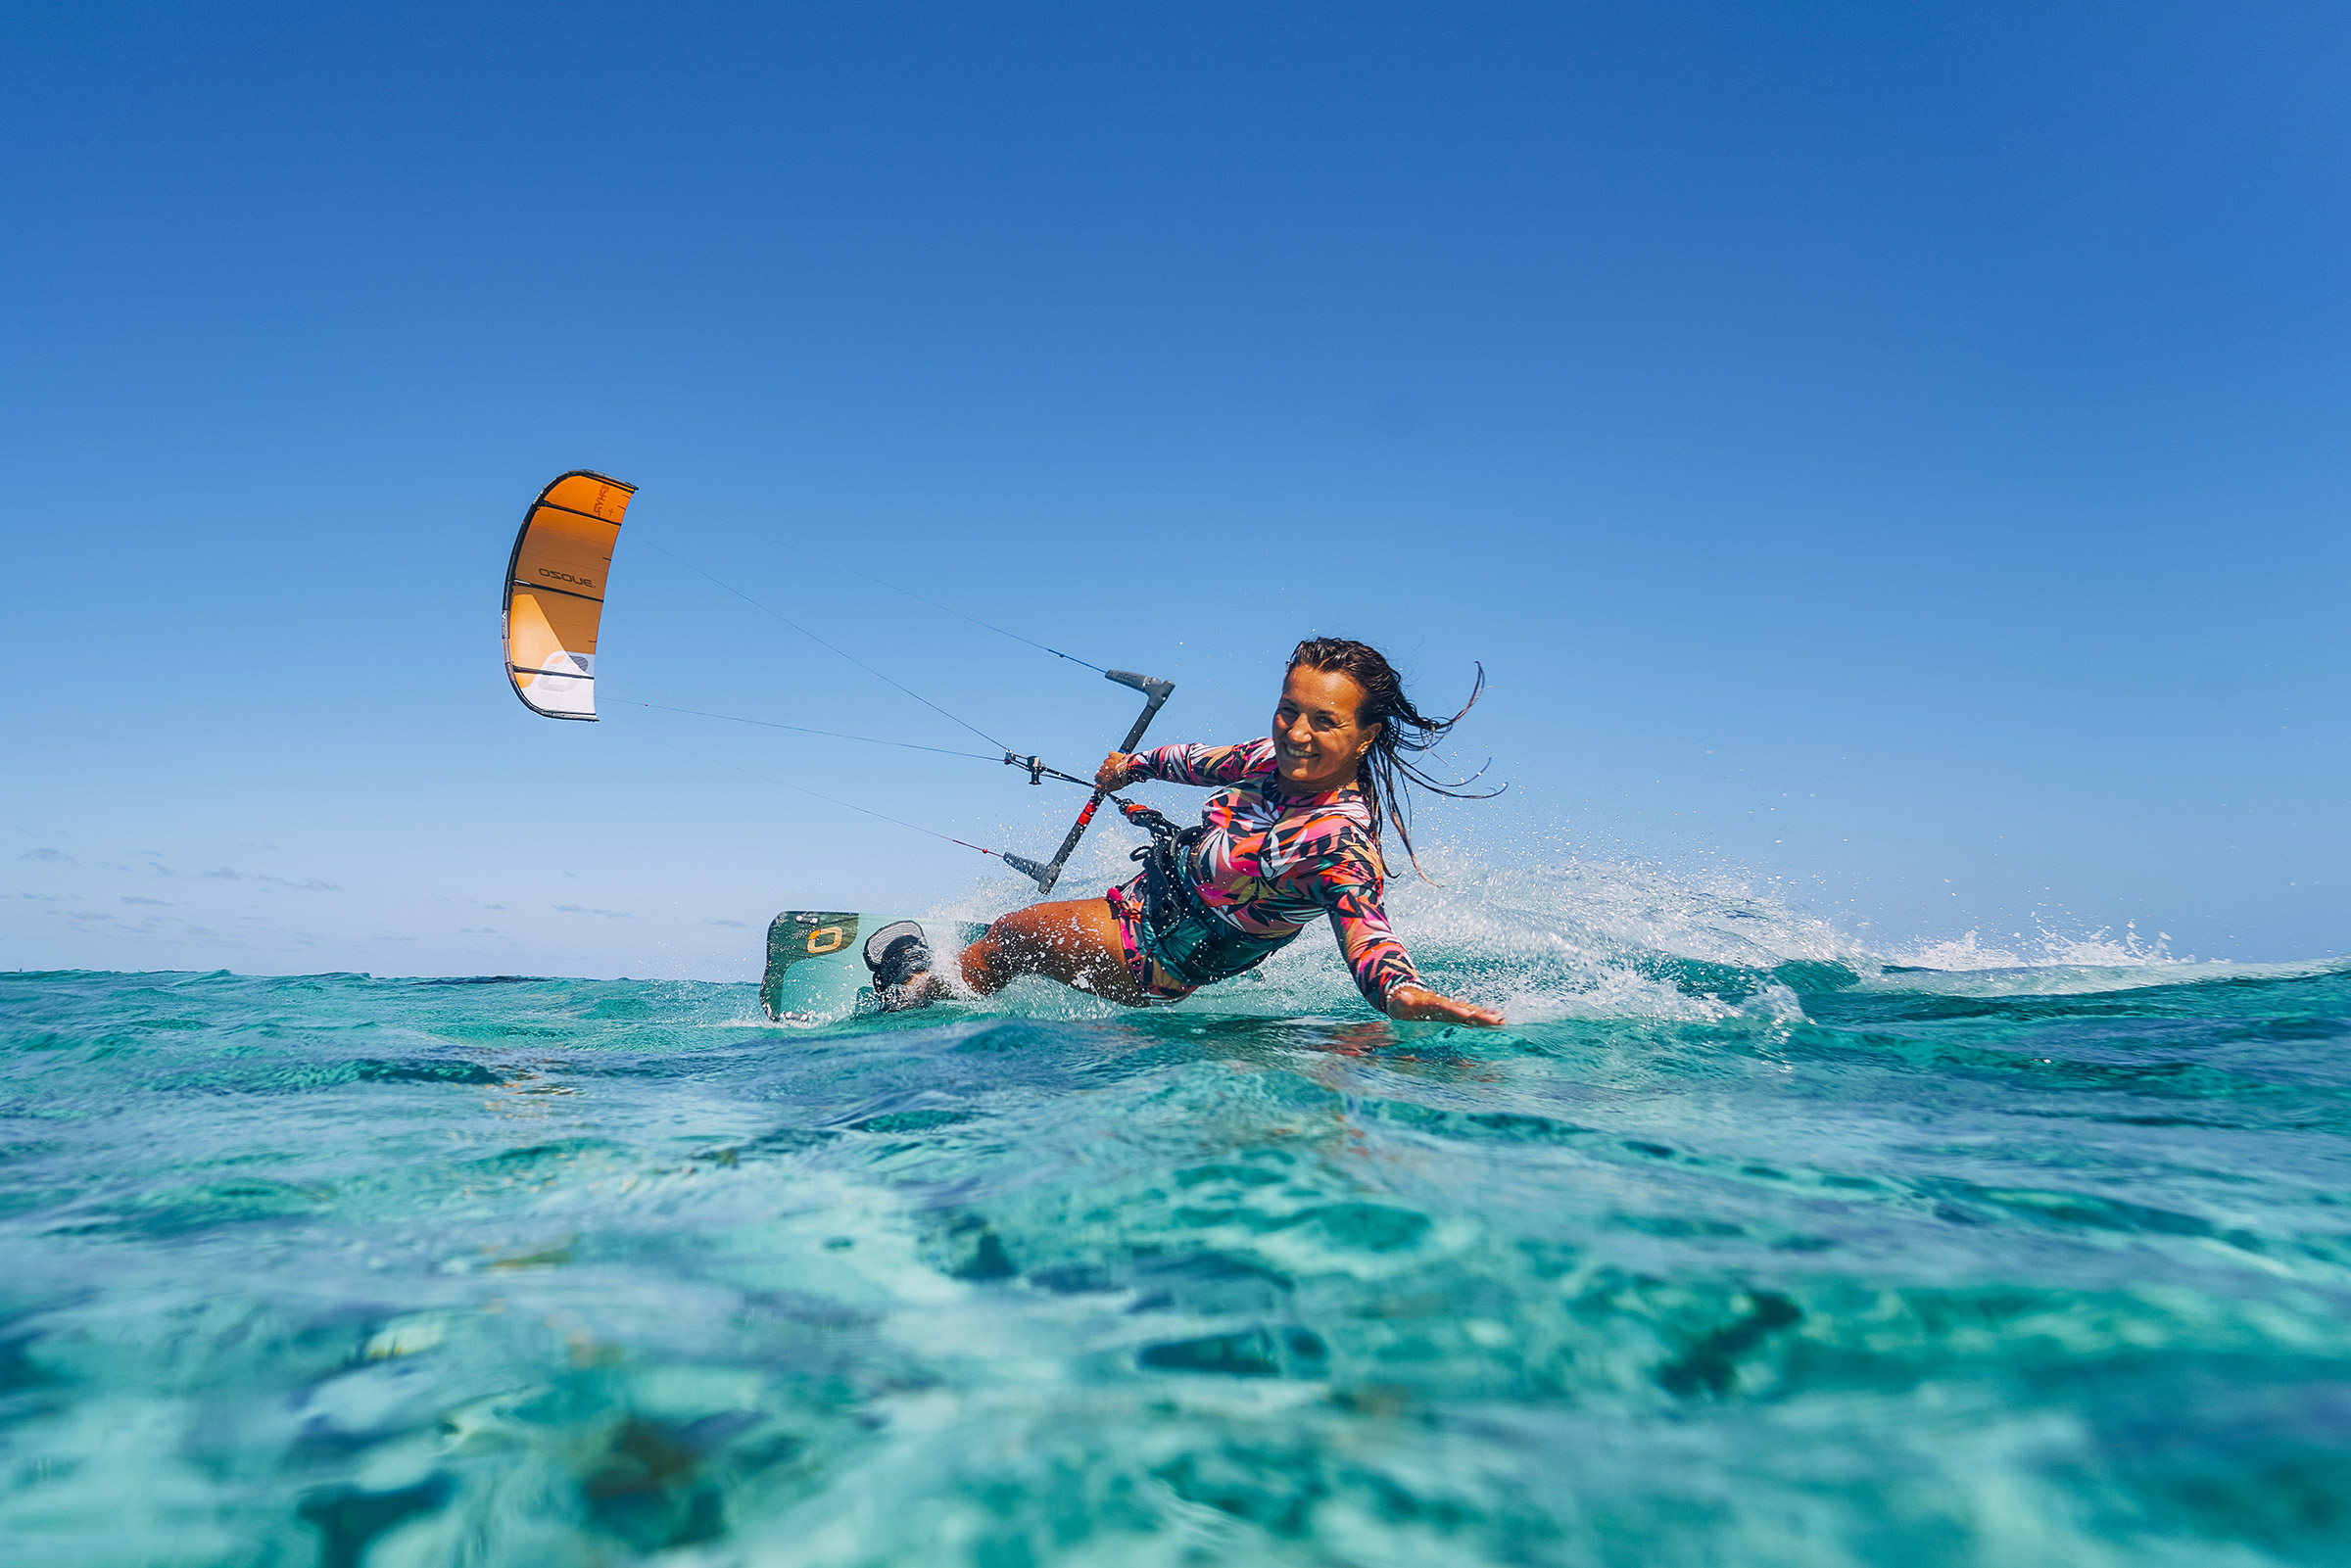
(1615, 939)
(1573, 939)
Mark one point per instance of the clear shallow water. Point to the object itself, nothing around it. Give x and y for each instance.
(1731, 1257)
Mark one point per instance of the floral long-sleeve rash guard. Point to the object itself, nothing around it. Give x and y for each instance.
(1271, 862)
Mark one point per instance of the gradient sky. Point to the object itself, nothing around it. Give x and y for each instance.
(1898, 451)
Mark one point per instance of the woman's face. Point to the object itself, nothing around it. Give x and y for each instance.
(1317, 738)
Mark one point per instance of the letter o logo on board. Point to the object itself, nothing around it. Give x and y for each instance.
(826, 939)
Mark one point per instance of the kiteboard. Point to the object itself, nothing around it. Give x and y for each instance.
(816, 970)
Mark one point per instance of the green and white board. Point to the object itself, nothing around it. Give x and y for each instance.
(816, 970)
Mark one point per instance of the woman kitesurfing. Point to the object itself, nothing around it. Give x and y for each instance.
(1293, 833)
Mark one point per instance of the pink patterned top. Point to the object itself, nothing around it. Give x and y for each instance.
(1271, 862)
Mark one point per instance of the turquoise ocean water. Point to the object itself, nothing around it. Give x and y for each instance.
(1740, 1245)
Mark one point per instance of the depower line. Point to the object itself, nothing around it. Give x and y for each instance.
(867, 811)
(801, 728)
(844, 652)
(974, 618)
(1004, 754)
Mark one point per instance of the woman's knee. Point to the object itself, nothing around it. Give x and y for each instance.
(1049, 940)
(980, 964)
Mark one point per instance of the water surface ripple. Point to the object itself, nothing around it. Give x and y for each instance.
(2041, 1266)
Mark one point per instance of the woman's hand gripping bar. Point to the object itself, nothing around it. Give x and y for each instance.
(1154, 693)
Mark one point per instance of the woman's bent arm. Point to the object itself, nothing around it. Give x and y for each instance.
(1207, 765)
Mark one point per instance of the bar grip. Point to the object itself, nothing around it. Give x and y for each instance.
(1156, 692)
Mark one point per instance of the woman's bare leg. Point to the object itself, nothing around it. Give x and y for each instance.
(1075, 942)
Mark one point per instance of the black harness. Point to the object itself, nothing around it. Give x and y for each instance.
(1190, 940)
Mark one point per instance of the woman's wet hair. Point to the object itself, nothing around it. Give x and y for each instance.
(1403, 732)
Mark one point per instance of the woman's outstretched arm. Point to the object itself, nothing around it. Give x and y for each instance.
(1383, 971)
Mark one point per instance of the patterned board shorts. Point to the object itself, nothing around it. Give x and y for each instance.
(1158, 983)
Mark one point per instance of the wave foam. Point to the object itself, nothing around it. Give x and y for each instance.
(1623, 938)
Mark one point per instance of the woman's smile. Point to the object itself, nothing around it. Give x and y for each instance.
(1318, 740)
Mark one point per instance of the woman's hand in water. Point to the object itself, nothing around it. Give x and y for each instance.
(1415, 1005)
(1117, 772)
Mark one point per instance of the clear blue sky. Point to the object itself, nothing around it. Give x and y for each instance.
(1895, 449)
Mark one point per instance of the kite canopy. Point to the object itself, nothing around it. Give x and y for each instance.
(555, 592)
